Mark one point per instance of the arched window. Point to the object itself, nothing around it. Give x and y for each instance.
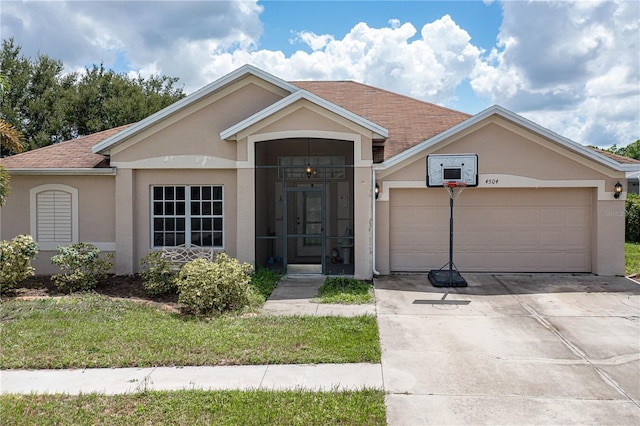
(54, 215)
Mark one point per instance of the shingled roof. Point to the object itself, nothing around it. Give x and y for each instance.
(616, 157)
(408, 120)
(71, 154)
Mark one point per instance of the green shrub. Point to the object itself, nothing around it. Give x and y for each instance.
(81, 267)
(15, 260)
(214, 287)
(632, 218)
(157, 275)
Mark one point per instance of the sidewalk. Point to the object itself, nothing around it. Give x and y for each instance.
(110, 381)
(291, 297)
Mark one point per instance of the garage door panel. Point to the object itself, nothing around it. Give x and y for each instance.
(553, 217)
(578, 217)
(526, 230)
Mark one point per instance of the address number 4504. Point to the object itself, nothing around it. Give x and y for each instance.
(491, 181)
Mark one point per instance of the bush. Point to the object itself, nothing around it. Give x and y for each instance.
(15, 260)
(214, 287)
(632, 218)
(81, 267)
(157, 275)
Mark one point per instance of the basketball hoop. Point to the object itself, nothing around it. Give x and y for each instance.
(454, 188)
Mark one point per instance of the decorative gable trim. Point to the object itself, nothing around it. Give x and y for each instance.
(519, 121)
(231, 133)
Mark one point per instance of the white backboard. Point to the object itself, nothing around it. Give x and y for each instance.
(452, 168)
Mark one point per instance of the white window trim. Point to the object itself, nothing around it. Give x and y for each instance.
(52, 245)
(187, 222)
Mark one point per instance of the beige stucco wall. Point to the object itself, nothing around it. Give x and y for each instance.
(518, 158)
(96, 212)
(196, 130)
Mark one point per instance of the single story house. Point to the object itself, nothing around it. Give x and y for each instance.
(322, 177)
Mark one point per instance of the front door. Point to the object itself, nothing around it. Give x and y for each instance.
(305, 228)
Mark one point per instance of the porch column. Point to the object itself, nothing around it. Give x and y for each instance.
(245, 216)
(363, 226)
(124, 209)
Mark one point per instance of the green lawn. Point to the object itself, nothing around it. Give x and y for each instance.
(343, 290)
(632, 258)
(95, 331)
(364, 407)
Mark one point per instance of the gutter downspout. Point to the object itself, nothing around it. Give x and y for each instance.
(373, 222)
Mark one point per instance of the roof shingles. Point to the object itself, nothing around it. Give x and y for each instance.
(408, 120)
(71, 154)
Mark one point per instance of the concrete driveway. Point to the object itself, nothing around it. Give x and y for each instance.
(510, 349)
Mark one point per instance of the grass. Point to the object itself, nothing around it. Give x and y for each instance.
(90, 331)
(263, 281)
(632, 258)
(364, 407)
(343, 290)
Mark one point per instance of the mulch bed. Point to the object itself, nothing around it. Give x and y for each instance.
(116, 286)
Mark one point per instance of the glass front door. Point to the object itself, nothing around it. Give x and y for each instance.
(305, 227)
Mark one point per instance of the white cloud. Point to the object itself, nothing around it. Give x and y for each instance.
(570, 66)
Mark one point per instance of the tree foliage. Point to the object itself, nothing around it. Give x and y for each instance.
(48, 105)
(632, 150)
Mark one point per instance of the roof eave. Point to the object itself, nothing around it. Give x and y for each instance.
(86, 171)
(102, 147)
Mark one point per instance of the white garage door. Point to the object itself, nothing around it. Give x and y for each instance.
(517, 230)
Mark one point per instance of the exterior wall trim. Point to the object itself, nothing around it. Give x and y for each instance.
(179, 162)
(506, 181)
(107, 171)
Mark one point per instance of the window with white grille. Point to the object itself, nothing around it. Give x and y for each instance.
(187, 215)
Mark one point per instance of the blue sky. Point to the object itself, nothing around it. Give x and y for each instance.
(482, 21)
(572, 67)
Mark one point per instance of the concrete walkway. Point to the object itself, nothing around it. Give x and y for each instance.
(109, 381)
(291, 297)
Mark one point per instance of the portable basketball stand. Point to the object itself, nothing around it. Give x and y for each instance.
(454, 172)
(449, 277)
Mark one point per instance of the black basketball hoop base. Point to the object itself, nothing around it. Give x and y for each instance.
(446, 278)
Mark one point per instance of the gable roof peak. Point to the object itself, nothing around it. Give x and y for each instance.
(238, 74)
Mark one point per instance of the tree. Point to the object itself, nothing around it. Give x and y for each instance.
(34, 101)
(49, 106)
(632, 150)
(103, 99)
(10, 138)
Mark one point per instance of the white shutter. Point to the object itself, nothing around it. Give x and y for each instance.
(54, 217)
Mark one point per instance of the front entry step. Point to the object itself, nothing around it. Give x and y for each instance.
(299, 268)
